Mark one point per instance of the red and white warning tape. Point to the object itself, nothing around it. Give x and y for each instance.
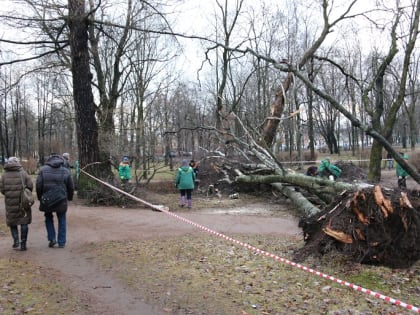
(148, 204)
(264, 253)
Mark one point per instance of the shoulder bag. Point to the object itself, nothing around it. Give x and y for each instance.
(52, 198)
(26, 197)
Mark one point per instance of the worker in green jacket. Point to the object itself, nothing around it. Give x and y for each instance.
(326, 169)
(402, 174)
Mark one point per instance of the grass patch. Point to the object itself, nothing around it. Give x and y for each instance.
(200, 274)
(32, 289)
(370, 279)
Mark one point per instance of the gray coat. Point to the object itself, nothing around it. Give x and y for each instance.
(11, 187)
(52, 174)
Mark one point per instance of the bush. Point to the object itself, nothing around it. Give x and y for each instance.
(30, 165)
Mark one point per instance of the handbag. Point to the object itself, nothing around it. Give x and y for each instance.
(52, 198)
(26, 197)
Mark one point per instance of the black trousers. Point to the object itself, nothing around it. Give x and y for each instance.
(402, 183)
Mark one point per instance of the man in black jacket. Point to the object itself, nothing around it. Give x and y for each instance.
(52, 175)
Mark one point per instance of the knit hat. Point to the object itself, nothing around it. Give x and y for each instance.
(13, 160)
(125, 159)
(184, 163)
(66, 155)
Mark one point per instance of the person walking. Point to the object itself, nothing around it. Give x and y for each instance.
(184, 181)
(11, 185)
(53, 174)
(401, 174)
(390, 161)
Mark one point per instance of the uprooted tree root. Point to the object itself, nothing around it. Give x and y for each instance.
(372, 226)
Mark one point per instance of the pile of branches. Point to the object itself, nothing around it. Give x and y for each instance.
(372, 225)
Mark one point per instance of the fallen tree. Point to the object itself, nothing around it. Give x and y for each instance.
(324, 188)
(370, 224)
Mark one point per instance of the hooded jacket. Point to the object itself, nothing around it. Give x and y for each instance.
(11, 187)
(401, 172)
(124, 170)
(327, 168)
(53, 174)
(185, 177)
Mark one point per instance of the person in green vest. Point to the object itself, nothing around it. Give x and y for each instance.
(184, 181)
(326, 169)
(401, 174)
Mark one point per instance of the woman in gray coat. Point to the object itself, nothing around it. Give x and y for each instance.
(11, 183)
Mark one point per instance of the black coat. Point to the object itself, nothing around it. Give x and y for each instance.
(52, 174)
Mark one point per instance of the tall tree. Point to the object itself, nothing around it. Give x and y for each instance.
(87, 127)
(376, 111)
(107, 63)
(228, 24)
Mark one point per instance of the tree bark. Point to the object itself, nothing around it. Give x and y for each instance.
(87, 127)
(325, 189)
(374, 174)
(276, 111)
(304, 206)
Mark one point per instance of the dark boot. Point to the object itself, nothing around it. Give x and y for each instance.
(15, 235)
(23, 236)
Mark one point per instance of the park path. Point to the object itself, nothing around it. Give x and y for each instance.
(87, 225)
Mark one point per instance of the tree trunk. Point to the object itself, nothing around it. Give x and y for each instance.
(374, 175)
(305, 207)
(325, 189)
(276, 111)
(87, 128)
(310, 96)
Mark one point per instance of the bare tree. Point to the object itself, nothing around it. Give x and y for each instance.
(228, 24)
(108, 65)
(377, 85)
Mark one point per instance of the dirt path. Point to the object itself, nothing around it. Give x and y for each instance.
(89, 225)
